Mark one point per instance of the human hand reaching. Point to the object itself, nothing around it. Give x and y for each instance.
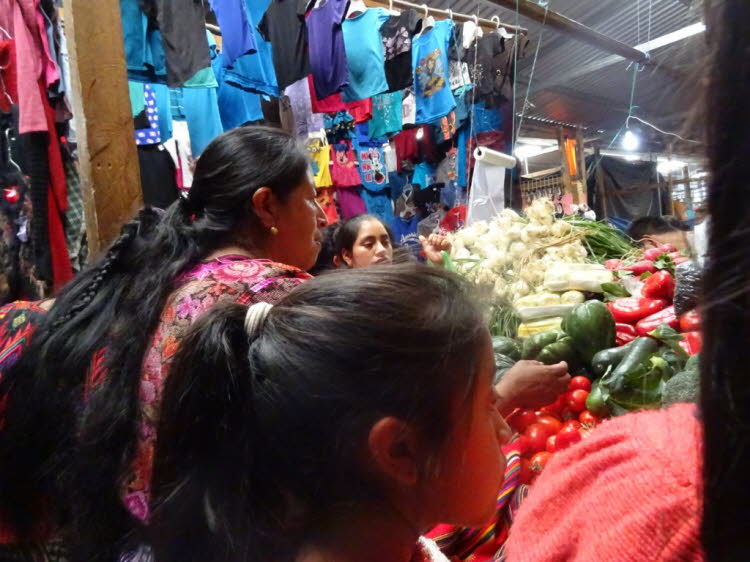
(433, 245)
(531, 384)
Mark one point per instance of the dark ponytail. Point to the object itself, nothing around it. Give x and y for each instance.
(263, 438)
(95, 438)
(725, 399)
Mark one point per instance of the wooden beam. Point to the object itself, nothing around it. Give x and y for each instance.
(108, 156)
(576, 30)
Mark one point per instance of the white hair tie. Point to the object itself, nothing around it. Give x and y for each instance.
(256, 317)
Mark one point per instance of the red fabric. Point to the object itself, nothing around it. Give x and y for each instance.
(57, 203)
(361, 110)
(407, 148)
(8, 74)
(632, 490)
(454, 219)
(331, 104)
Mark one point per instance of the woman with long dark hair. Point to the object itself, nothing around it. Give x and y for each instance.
(81, 403)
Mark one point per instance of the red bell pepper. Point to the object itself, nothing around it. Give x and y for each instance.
(614, 264)
(624, 333)
(650, 323)
(690, 321)
(628, 310)
(641, 267)
(659, 285)
(692, 342)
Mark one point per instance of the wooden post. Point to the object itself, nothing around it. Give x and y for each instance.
(108, 156)
(567, 183)
(582, 175)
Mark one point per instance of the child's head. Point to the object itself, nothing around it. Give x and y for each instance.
(361, 241)
(364, 391)
(652, 232)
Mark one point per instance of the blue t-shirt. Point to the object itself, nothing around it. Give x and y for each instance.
(424, 175)
(364, 54)
(236, 33)
(429, 56)
(378, 203)
(237, 106)
(372, 165)
(386, 115)
(255, 71)
(405, 232)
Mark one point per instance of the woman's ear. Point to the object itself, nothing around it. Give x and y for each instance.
(265, 204)
(347, 257)
(393, 447)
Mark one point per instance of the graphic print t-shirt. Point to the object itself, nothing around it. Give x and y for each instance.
(434, 98)
(386, 115)
(372, 166)
(397, 34)
(284, 26)
(364, 54)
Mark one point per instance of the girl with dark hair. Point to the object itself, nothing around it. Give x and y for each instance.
(328, 430)
(366, 240)
(81, 402)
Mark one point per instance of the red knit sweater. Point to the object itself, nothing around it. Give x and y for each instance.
(630, 491)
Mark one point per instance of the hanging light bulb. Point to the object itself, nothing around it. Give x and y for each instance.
(630, 141)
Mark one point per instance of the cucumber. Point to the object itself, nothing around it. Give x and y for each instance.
(607, 358)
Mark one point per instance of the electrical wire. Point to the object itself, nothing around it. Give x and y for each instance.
(663, 132)
(531, 75)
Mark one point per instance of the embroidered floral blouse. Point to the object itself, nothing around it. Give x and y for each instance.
(233, 278)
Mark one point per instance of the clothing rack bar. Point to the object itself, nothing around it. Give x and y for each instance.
(456, 15)
(577, 30)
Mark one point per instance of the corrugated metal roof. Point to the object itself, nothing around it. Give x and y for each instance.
(579, 84)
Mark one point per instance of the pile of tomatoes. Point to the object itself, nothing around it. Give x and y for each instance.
(552, 428)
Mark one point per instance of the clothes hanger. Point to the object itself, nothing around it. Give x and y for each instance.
(8, 35)
(501, 30)
(428, 22)
(10, 157)
(355, 8)
(391, 10)
(450, 14)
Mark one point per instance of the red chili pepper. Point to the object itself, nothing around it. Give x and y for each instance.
(693, 342)
(624, 333)
(690, 321)
(614, 264)
(628, 310)
(642, 267)
(650, 323)
(659, 285)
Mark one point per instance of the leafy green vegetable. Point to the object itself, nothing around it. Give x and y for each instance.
(669, 337)
(684, 386)
(665, 262)
(614, 291)
(602, 240)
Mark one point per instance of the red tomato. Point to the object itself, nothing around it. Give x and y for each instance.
(552, 424)
(552, 443)
(540, 460)
(567, 414)
(572, 423)
(537, 435)
(521, 419)
(589, 419)
(555, 408)
(568, 436)
(523, 445)
(577, 400)
(526, 474)
(580, 383)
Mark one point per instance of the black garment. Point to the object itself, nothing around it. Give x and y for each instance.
(283, 25)
(397, 34)
(183, 34)
(480, 58)
(158, 179)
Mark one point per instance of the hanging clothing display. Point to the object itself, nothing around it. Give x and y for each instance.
(397, 34)
(350, 202)
(255, 71)
(386, 115)
(321, 165)
(297, 117)
(344, 171)
(150, 134)
(237, 106)
(364, 54)
(372, 165)
(430, 64)
(283, 25)
(325, 198)
(237, 37)
(326, 46)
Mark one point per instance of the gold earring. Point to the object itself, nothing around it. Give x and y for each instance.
(274, 230)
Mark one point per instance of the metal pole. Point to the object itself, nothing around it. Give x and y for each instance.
(583, 33)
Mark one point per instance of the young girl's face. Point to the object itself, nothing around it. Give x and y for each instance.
(473, 467)
(372, 246)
